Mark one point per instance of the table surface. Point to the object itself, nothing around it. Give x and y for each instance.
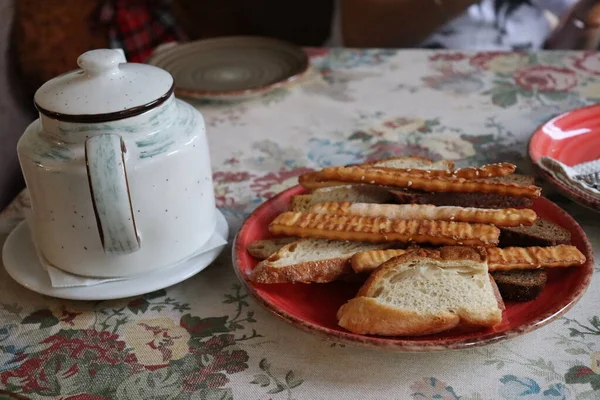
(206, 339)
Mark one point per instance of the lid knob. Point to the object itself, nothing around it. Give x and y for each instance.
(102, 61)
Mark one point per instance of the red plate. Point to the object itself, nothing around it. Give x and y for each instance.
(313, 307)
(571, 138)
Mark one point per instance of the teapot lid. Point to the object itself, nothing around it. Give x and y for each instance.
(106, 88)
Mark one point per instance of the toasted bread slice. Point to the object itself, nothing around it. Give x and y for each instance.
(510, 258)
(310, 260)
(541, 233)
(498, 217)
(353, 193)
(378, 229)
(262, 249)
(519, 285)
(443, 184)
(309, 180)
(424, 292)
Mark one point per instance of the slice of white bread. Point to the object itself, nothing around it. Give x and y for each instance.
(262, 249)
(352, 193)
(424, 292)
(310, 260)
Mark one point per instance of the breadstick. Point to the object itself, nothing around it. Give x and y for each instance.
(505, 259)
(499, 217)
(378, 229)
(367, 261)
(510, 258)
(400, 179)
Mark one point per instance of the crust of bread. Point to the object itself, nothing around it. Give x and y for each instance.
(499, 217)
(320, 271)
(262, 249)
(441, 184)
(377, 229)
(336, 267)
(511, 258)
(499, 298)
(364, 315)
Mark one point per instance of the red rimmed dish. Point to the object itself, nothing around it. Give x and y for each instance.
(313, 307)
(233, 67)
(571, 138)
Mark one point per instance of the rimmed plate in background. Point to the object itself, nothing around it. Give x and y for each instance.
(231, 67)
(571, 138)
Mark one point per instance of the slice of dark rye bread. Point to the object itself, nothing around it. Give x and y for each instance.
(541, 233)
(527, 285)
(475, 199)
(518, 285)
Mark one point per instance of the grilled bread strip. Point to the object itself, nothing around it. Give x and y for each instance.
(314, 180)
(498, 217)
(368, 261)
(510, 258)
(309, 180)
(424, 292)
(442, 184)
(378, 229)
(310, 260)
(506, 259)
(485, 171)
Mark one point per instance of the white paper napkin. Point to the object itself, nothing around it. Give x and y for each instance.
(565, 173)
(62, 279)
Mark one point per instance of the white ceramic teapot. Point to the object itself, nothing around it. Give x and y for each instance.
(118, 170)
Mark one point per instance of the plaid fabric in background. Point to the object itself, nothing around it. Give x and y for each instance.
(139, 26)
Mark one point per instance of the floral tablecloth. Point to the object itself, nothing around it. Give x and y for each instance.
(206, 339)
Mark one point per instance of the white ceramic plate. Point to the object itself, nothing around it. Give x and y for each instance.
(22, 264)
